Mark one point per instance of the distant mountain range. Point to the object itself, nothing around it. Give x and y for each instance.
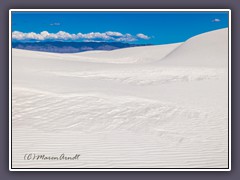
(72, 47)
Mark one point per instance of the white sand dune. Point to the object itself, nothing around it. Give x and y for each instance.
(209, 49)
(143, 107)
(143, 54)
(130, 55)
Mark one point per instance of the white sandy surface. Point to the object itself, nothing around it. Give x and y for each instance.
(162, 106)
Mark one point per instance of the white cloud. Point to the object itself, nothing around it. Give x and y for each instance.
(96, 35)
(92, 36)
(126, 38)
(142, 36)
(64, 35)
(23, 36)
(216, 20)
(55, 24)
(111, 33)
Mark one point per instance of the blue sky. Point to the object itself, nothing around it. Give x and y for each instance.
(131, 27)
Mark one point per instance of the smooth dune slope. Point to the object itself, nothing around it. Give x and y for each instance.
(144, 107)
(145, 54)
(209, 49)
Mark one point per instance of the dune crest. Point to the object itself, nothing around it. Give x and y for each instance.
(208, 49)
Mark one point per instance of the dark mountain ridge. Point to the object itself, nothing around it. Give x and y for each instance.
(72, 47)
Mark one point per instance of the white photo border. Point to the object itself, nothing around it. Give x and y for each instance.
(119, 169)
